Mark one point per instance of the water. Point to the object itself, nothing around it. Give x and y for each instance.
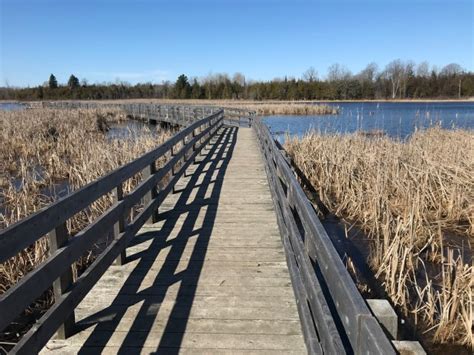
(11, 106)
(395, 119)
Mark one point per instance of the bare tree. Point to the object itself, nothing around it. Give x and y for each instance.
(452, 69)
(408, 73)
(369, 73)
(423, 69)
(310, 75)
(338, 72)
(239, 78)
(394, 72)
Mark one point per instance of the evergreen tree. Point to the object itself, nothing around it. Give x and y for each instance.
(73, 82)
(182, 89)
(53, 83)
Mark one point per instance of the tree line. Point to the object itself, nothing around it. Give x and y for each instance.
(397, 80)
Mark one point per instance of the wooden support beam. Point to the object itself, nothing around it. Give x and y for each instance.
(119, 227)
(150, 195)
(57, 239)
(386, 315)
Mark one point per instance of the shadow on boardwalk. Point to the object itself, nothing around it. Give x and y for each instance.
(206, 180)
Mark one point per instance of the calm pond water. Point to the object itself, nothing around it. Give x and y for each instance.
(397, 120)
(11, 106)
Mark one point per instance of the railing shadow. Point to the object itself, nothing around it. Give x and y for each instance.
(189, 209)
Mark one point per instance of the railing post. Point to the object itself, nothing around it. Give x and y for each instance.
(57, 239)
(183, 160)
(201, 129)
(194, 144)
(151, 195)
(119, 227)
(174, 167)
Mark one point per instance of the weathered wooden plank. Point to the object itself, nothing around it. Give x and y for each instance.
(194, 340)
(190, 279)
(201, 290)
(57, 348)
(199, 301)
(203, 325)
(211, 310)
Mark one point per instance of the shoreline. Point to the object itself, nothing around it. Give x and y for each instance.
(256, 102)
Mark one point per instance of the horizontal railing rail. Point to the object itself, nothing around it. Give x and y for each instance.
(335, 318)
(182, 115)
(238, 117)
(156, 183)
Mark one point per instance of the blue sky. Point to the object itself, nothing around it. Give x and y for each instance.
(141, 41)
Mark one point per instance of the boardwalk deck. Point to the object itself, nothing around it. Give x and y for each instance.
(209, 277)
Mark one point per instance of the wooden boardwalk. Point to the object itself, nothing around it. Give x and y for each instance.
(236, 260)
(209, 277)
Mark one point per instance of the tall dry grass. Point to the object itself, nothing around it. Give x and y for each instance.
(261, 108)
(45, 151)
(265, 109)
(408, 197)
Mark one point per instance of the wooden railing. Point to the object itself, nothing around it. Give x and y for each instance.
(179, 152)
(182, 115)
(335, 318)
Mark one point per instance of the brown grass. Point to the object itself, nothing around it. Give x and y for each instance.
(265, 109)
(43, 149)
(407, 196)
(262, 108)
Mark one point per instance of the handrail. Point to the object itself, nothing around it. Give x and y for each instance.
(315, 266)
(182, 115)
(65, 252)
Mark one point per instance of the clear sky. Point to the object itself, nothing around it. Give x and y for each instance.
(145, 40)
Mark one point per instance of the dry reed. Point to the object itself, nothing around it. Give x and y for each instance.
(262, 108)
(407, 196)
(265, 109)
(44, 151)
